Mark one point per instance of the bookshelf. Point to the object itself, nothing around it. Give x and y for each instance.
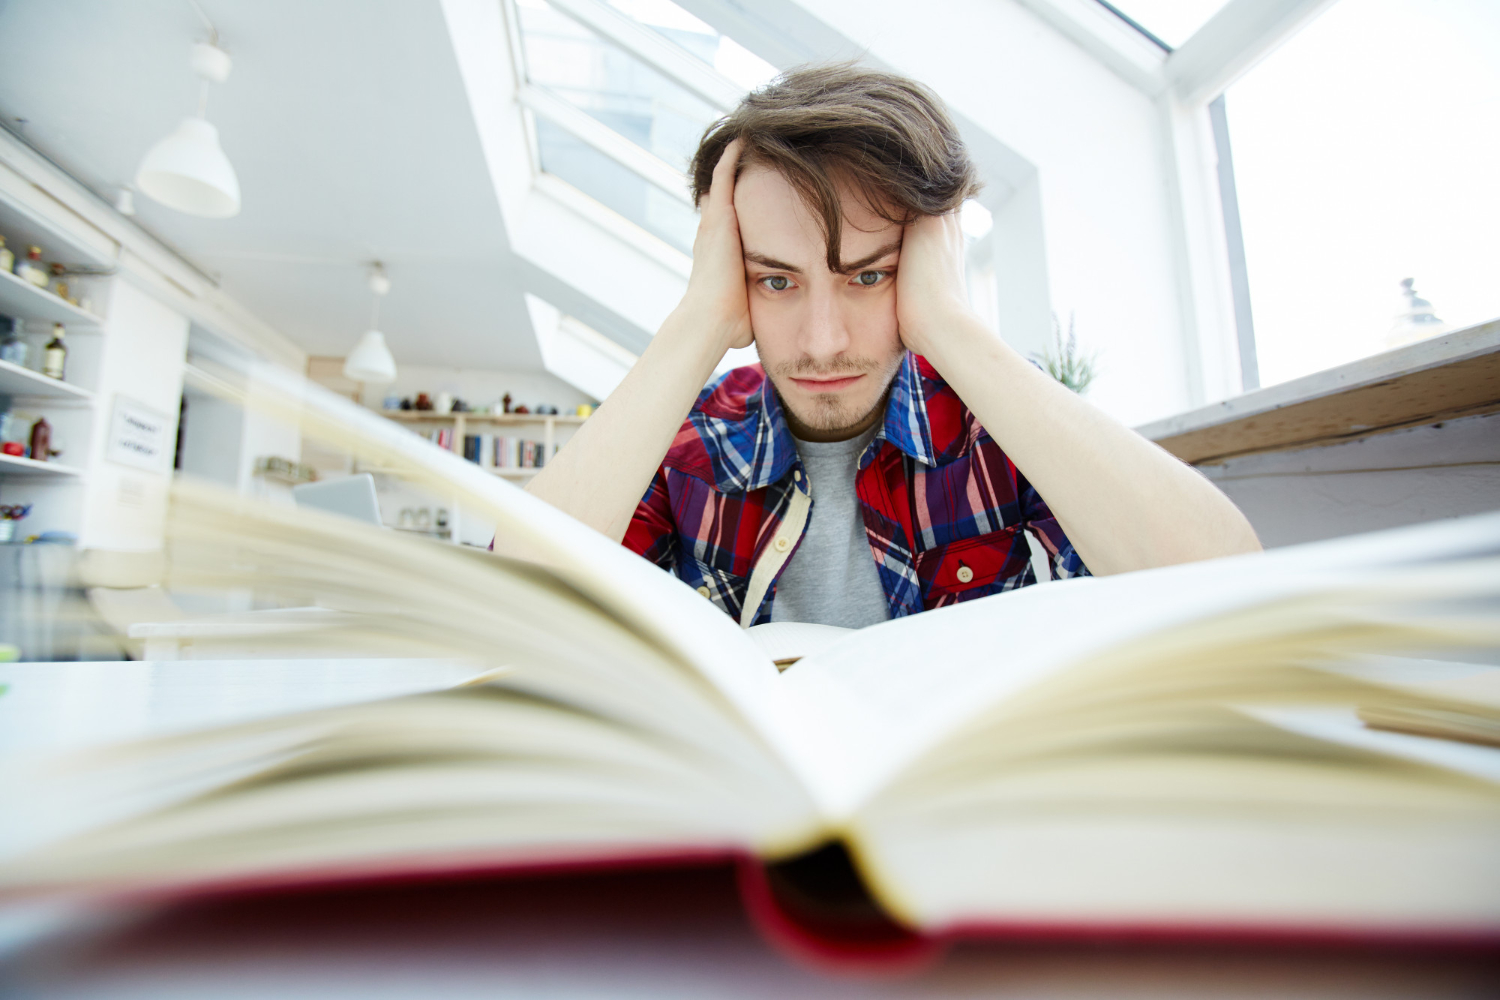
(14, 465)
(18, 381)
(466, 423)
(53, 487)
(22, 299)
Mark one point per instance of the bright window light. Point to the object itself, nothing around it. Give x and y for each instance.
(731, 59)
(1365, 153)
(976, 220)
(611, 85)
(1172, 21)
(615, 186)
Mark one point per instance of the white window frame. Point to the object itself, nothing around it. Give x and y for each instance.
(659, 53)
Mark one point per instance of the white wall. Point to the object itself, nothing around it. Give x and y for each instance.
(141, 360)
(1387, 481)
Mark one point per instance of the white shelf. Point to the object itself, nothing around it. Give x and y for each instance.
(24, 300)
(421, 416)
(514, 473)
(16, 380)
(10, 465)
(23, 228)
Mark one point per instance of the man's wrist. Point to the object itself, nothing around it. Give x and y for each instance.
(693, 337)
(952, 337)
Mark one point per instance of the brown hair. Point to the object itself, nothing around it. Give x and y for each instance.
(888, 137)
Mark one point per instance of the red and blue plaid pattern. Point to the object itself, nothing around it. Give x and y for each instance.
(946, 513)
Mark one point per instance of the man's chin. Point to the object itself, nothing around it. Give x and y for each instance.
(833, 417)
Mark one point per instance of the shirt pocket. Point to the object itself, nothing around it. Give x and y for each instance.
(974, 567)
(726, 590)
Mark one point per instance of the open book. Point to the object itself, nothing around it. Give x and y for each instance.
(1219, 748)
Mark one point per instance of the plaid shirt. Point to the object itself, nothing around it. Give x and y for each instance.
(945, 512)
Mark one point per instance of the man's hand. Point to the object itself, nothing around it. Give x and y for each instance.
(715, 301)
(931, 290)
(1125, 503)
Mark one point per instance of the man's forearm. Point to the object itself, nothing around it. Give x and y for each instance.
(1124, 502)
(603, 472)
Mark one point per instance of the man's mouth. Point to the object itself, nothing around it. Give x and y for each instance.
(836, 384)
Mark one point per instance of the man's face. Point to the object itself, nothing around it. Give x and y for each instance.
(828, 341)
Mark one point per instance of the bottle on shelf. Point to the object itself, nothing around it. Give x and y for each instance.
(7, 258)
(60, 284)
(41, 440)
(31, 268)
(55, 354)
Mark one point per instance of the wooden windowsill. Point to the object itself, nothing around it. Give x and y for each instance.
(1443, 378)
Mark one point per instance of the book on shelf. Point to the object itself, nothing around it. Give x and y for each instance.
(1182, 752)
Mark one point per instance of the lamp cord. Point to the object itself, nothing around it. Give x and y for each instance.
(213, 33)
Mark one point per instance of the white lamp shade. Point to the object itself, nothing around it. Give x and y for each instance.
(189, 172)
(371, 360)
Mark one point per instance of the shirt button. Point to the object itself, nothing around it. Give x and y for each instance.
(782, 543)
(965, 574)
(702, 591)
(797, 475)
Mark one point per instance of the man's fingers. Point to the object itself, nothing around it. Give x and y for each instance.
(721, 192)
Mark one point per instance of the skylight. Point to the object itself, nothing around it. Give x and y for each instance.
(1170, 21)
(611, 85)
(687, 32)
(615, 186)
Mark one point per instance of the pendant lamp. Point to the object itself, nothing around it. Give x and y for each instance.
(371, 360)
(187, 170)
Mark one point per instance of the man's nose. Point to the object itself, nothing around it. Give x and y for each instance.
(825, 334)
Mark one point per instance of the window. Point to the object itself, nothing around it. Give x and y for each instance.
(1364, 155)
(620, 93)
(1170, 22)
(610, 85)
(682, 29)
(615, 186)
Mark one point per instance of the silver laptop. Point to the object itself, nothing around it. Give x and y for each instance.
(351, 496)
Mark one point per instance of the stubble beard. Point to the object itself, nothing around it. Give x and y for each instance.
(831, 413)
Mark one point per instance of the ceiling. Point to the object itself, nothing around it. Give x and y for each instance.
(351, 132)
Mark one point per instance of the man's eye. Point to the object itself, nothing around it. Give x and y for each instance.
(869, 277)
(776, 282)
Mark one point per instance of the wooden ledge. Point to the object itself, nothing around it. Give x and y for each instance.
(1454, 375)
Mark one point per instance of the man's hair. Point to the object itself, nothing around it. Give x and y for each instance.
(889, 138)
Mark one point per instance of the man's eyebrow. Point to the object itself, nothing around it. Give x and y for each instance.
(771, 262)
(868, 259)
(849, 268)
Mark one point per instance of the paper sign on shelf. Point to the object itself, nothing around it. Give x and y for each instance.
(139, 436)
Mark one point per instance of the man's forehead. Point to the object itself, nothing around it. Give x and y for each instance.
(777, 222)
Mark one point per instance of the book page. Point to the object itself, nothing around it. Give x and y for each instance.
(654, 603)
(892, 691)
(787, 642)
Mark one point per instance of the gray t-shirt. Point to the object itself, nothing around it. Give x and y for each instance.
(831, 579)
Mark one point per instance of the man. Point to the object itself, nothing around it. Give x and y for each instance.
(890, 453)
